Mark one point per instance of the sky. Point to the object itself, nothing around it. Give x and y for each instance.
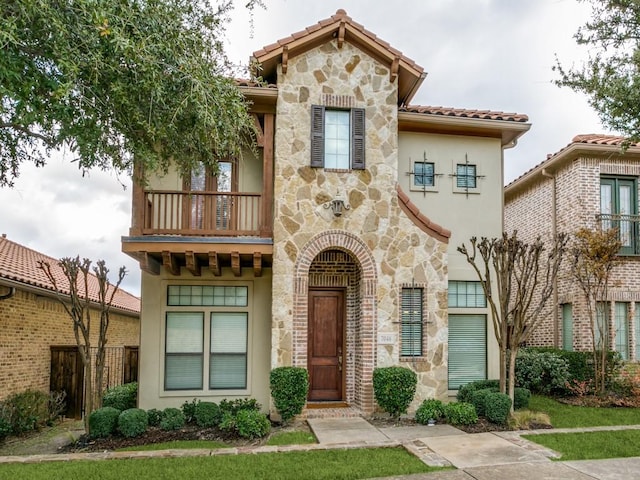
(479, 54)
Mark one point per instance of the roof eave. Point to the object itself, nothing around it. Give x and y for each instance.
(508, 131)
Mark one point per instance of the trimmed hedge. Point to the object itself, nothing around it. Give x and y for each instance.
(155, 416)
(394, 389)
(429, 409)
(133, 422)
(479, 400)
(497, 407)
(541, 372)
(103, 422)
(465, 392)
(207, 414)
(252, 424)
(289, 389)
(172, 419)
(521, 397)
(121, 397)
(460, 413)
(189, 410)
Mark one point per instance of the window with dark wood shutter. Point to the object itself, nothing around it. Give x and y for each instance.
(317, 136)
(357, 139)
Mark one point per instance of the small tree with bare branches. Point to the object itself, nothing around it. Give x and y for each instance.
(594, 254)
(523, 277)
(76, 300)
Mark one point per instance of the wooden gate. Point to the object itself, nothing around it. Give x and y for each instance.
(130, 365)
(67, 374)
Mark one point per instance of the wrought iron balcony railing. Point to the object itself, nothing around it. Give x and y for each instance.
(628, 227)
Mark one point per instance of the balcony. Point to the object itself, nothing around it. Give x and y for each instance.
(628, 227)
(211, 214)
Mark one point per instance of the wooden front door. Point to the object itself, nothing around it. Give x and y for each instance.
(326, 344)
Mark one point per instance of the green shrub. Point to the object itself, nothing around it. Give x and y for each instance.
(479, 399)
(289, 389)
(497, 407)
(154, 416)
(122, 397)
(103, 422)
(208, 415)
(133, 422)
(5, 428)
(460, 413)
(394, 389)
(234, 406)
(172, 419)
(252, 424)
(466, 391)
(541, 372)
(27, 411)
(429, 409)
(521, 397)
(189, 410)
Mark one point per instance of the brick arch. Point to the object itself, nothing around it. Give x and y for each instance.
(366, 325)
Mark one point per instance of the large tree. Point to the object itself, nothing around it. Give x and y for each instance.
(518, 280)
(117, 80)
(611, 75)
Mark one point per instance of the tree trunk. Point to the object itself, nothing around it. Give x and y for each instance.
(512, 375)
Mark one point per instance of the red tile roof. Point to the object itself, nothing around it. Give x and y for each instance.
(340, 15)
(599, 139)
(20, 264)
(465, 113)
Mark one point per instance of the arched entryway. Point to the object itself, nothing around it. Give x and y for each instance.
(335, 318)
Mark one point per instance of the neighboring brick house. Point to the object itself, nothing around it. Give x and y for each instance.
(32, 320)
(591, 184)
(333, 249)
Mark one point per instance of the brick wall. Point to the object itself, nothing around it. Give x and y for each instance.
(577, 200)
(29, 325)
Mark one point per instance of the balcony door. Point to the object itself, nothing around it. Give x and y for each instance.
(618, 204)
(210, 208)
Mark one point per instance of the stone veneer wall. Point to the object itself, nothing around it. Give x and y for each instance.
(388, 249)
(29, 325)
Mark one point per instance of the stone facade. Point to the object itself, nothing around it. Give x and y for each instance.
(30, 325)
(570, 193)
(383, 249)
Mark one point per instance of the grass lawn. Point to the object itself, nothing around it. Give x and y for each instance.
(591, 445)
(317, 465)
(569, 416)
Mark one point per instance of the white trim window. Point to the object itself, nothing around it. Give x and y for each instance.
(225, 335)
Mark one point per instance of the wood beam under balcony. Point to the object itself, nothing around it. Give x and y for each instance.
(148, 263)
(214, 264)
(236, 268)
(170, 262)
(257, 264)
(192, 263)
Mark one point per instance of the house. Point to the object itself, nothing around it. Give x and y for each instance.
(39, 350)
(333, 249)
(588, 184)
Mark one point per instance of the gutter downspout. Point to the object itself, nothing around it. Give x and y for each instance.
(554, 231)
(6, 296)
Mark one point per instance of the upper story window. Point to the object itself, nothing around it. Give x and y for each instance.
(466, 176)
(337, 138)
(618, 207)
(423, 175)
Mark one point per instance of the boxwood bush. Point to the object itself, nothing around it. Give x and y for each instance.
(429, 409)
(289, 389)
(497, 407)
(207, 415)
(155, 416)
(103, 422)
(479, 399)
(234, 406)
(252, 424)
(121, 397)
(133, 422)
(466, 391)
(172, 419)
(541, 372)
(189, 410)
(394, 389)
(521, 397)
(460, 413)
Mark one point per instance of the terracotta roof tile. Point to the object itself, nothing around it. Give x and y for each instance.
(465, 113)
(243, 82)
(339, 16)
(20, 264)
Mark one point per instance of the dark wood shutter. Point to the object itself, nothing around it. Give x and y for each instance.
(317, 136)
(357, 139)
